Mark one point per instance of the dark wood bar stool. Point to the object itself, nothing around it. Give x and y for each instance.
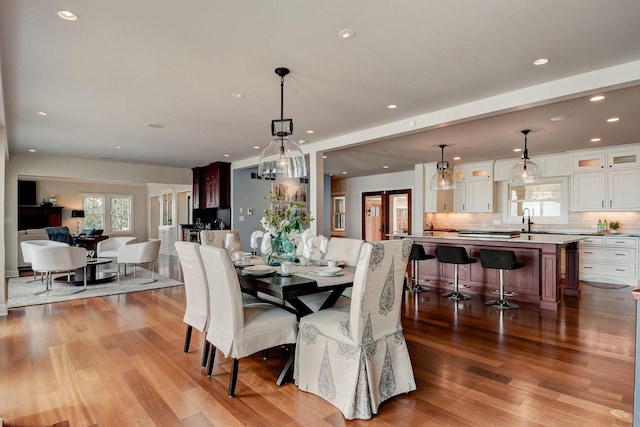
(454, 255)
(417, 254)
(500, 260)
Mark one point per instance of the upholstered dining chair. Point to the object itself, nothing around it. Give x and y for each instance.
(344, 249)
(218, 237)
(235, 329)
(26, 247)
(139, 253)
(51, 259)
(196, 313)
(356, 358)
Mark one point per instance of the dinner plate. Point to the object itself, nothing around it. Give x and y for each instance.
(327, 271)
(324, 263)
(258, 270)
(240, 264)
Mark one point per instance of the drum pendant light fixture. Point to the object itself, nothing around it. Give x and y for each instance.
(442, 180)
(282, 158)
(525, 171)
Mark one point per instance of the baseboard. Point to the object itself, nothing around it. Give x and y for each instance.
(11, 273)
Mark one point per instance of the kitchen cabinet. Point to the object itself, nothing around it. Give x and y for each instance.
(39, 217)
(606, 181)
(609, 259)
(217, 185)
(197, 188)
(474, 187)
(435, 200)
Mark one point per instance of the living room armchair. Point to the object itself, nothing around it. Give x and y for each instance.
(109, 248)
(139, 253)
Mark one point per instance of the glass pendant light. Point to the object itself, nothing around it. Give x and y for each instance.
(282, 158)
(442, 180)
(525, 171)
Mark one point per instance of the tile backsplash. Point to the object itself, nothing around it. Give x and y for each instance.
(577, 222)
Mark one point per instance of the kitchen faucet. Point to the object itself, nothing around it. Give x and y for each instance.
(528, 215)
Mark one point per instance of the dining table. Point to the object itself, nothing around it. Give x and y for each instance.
(302, 280)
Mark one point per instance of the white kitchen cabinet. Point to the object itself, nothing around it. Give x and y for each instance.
(474, 187)
(167, 236)
(606, 181)
(609, 259)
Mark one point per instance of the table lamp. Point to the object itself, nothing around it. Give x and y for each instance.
(77, 213)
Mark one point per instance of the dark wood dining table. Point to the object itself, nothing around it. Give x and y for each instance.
(289, 289)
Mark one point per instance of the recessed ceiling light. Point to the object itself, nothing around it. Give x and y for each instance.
(41, 113)
(154, 125)
(456, 158)
(344, 172)
(613, 119)
(67, 15)
(302, 141)
(517, 150)
(330, 174)
(392, 106)
(385, 167)
(541, 61)
(257, 147)
(32, 150)
(596, 139)
(237, 95)
(324, 157)
(412, 123)
(311, 131)
(119, 147)
(559, 118)
(596, 98)
(225, 155)
(346, 33)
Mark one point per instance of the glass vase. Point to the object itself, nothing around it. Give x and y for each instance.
(282, 250)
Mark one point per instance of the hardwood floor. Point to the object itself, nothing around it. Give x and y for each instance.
(118, 361)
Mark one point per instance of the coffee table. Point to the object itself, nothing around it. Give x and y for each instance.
(94, 277)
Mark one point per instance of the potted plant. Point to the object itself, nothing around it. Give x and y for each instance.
(614, 226)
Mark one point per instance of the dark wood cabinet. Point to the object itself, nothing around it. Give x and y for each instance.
(217, 185)
(197, 189)
(39, 217)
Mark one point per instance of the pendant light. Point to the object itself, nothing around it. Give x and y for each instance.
(282, 158)
(525, 171)
(442, 180)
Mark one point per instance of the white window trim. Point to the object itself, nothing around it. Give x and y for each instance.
(107, 211)
(564, 200)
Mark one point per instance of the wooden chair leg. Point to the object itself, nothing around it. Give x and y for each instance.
(187, 339)
(234, 377)
(211, 360)
(205, 353)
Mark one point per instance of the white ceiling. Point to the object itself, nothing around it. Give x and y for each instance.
(124, 64)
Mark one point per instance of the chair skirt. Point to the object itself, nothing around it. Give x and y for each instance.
(356, 378)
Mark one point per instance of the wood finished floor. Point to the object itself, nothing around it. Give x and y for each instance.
(117, 361)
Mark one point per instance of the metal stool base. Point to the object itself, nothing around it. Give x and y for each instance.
(502, 303)
(414, 287)
(455, 295)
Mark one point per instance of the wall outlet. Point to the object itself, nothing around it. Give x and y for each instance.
(249, 211)
(241, 218)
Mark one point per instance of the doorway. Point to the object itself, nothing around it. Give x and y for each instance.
(384, 213)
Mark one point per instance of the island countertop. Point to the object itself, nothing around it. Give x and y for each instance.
(554, 239)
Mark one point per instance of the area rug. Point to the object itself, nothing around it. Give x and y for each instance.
(22, 289)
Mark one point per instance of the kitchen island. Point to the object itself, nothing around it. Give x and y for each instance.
(537, 282)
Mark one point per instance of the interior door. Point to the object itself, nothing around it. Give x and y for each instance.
(384, 213)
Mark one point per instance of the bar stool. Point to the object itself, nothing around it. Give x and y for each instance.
(500, 260)
(417, 254)
(454, 255)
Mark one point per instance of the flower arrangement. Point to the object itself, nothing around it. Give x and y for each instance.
(614, 225)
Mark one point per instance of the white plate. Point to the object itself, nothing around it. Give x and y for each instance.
(324, 263)
(327, 271)
(258, 270)
(240, 264)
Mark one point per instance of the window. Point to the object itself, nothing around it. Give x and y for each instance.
(112, 213)
(338, 215)
(547, 202)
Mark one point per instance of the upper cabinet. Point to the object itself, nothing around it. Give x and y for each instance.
(606, 180)
(554, 165)
(474, 187)
(212, 186)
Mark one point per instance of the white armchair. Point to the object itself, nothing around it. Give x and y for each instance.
(358, 358)
(108, 248)
(139, 253)
(50, 259)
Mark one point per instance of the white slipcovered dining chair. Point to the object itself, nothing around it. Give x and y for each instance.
(344, 249)
(139, 253)
(26, 247)
(218, 238)
(108, 248)
(196, 313)
(51, 259)
(357, 358)
(235, 329)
